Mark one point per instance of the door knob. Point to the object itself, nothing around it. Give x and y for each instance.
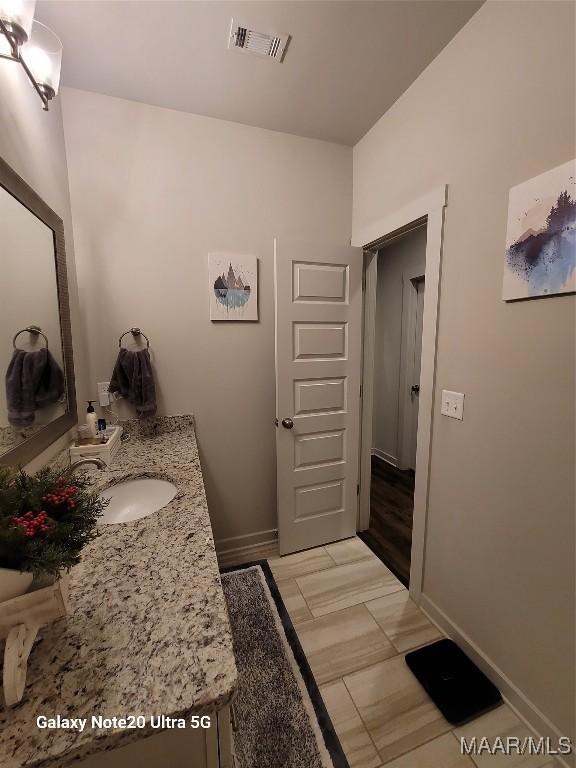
(287, 423)
(416, 388)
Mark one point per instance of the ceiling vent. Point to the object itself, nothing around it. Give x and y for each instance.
(247, 40)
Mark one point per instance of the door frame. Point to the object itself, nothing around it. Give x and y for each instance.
(410, 280)
(428, 209)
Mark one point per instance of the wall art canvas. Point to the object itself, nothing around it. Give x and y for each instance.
(541, 236)
(233, 286)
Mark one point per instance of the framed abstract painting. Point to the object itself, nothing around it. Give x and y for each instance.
(540, 255)
(233, 286)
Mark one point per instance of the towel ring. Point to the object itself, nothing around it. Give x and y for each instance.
(135, 332)
(34, 330)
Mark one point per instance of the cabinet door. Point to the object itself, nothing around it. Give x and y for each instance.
(225, 739)
(189, 748)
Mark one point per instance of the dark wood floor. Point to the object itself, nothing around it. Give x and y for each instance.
(391, 506)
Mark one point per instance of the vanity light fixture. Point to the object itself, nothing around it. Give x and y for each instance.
(17, 16)
(32, 44)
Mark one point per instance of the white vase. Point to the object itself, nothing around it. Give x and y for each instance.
(13, 583)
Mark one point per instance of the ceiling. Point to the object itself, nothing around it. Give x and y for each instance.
(346, 64)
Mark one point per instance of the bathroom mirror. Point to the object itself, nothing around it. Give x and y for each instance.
(37, 394)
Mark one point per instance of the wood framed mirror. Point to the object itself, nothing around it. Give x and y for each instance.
(37, 395)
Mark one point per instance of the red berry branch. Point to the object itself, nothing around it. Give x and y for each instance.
(46, 519)
(62, 496)
(32, 523)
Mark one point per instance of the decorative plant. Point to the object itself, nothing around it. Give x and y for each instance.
(45, 519)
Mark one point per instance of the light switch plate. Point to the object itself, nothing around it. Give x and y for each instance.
(103, 394)
(453, 404)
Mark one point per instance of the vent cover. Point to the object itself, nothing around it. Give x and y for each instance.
(247, 40)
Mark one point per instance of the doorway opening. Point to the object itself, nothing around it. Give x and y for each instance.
(399, 304)
(426, 214)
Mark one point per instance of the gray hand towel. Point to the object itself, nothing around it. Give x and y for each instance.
(33, 380)
(132, 378)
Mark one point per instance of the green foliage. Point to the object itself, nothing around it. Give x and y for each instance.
(71, 514)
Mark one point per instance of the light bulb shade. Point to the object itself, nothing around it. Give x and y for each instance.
(18, 15)
(43, 55)
(5, 48)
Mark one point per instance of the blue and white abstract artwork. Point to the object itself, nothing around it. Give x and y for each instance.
(541, 237)
(233, 286)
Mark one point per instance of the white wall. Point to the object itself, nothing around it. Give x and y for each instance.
(32, 143)
(407, 255)
(495, 108)
(153, 192)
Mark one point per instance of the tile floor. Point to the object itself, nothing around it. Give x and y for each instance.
(355, 621)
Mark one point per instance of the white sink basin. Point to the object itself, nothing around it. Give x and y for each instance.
(135, 499)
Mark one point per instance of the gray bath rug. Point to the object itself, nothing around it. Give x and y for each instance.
(280, 718)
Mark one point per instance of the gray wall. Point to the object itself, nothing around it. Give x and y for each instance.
(32, 143)
(153, 192)
(405, 255)
(496, 107)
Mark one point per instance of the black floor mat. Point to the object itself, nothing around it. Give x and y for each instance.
(456, 685)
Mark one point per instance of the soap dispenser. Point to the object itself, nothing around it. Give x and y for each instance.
(91, 420)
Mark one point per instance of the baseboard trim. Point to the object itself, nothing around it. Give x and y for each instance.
(248, 541)
(387, 457)
(526, 710)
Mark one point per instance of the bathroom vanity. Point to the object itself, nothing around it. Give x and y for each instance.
(147, 638)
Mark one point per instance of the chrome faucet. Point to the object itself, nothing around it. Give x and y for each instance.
(84, 462)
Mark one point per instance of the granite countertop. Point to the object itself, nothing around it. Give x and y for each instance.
(147, 631)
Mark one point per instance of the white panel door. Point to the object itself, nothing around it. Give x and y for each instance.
(318, 353)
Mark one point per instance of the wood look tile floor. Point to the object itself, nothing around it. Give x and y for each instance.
(355, 622)
(389, 533)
